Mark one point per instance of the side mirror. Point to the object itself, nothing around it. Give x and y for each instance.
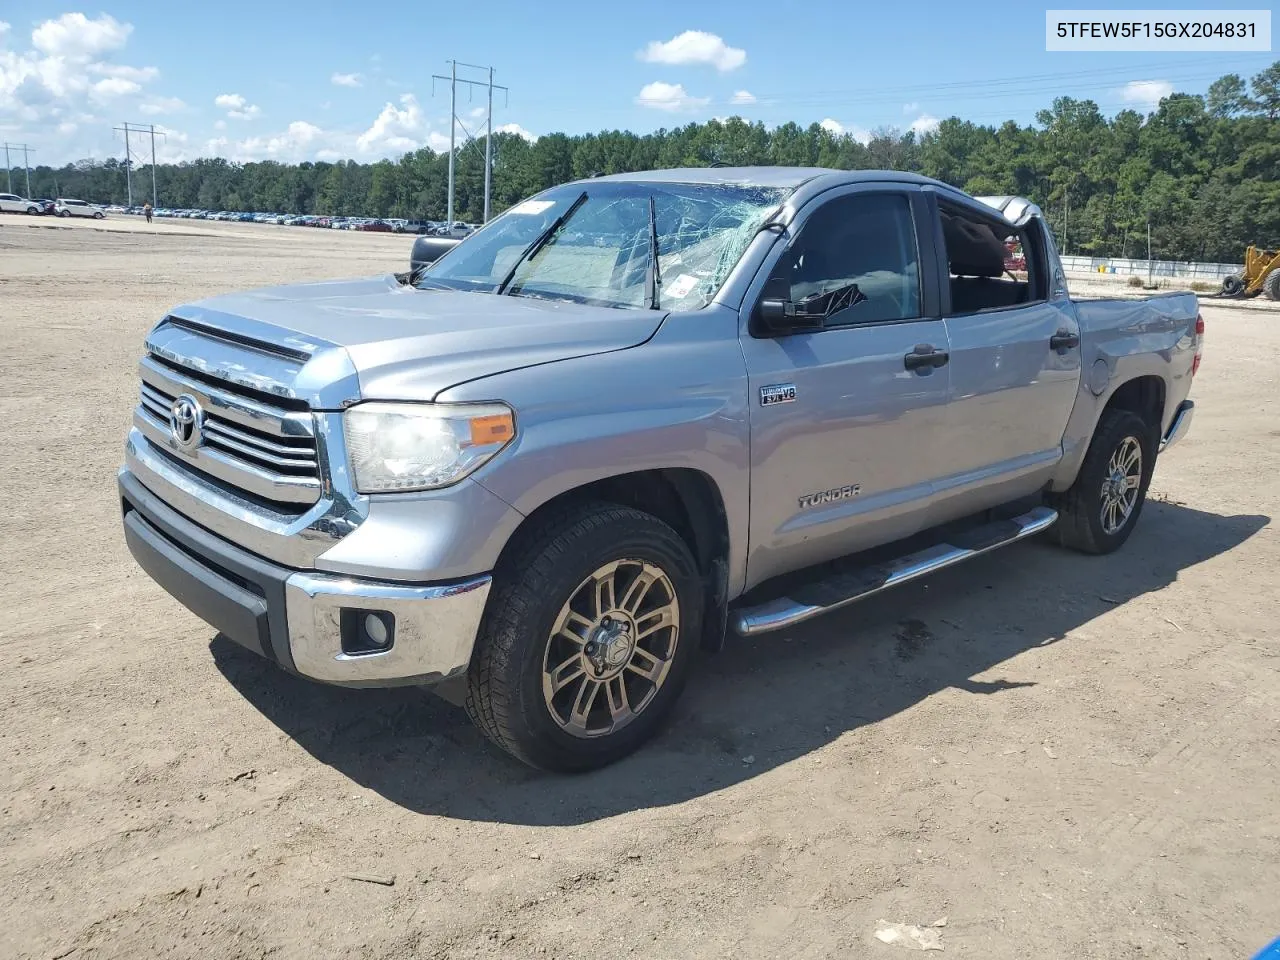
(780, 316)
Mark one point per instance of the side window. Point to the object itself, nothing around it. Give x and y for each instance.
(860, 252)
(991, 266)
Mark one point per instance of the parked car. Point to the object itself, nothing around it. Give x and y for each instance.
(375, 226)
(12, 203)
(45, 207)
(64, 207)
(544, 475)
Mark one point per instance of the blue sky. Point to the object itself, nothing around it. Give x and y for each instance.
(255, 80)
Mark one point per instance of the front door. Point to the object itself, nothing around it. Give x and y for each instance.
(844, 419)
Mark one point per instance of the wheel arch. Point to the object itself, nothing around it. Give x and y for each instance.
(686, 499)
(1145, 394)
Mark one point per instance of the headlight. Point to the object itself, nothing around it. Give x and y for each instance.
(420, 446)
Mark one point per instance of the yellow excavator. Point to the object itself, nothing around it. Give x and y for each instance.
(1261, 275)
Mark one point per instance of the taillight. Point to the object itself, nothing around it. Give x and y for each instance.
(1199, 344)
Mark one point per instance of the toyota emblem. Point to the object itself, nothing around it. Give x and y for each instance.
(185, 422)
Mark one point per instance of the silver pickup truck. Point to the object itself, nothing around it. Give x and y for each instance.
(631, 414)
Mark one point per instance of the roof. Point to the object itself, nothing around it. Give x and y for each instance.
(786, 177)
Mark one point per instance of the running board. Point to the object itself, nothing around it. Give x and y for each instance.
(814, 599)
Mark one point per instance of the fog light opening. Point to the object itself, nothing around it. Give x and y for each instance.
(367, 631)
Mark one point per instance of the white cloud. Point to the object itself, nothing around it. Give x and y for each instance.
(924, 124)
(346, 79)
(838, 129)
(161, 105)
(476, 113)
(695, 47)
(1146, 93)
(65, 74)
(668, 96)
(517, 130)
(4, 29)
(743, 97)
(395, 129)
(124, 72)
(113, 87)
(237, 107)
(437, 141)
(220, 125)
(75, 36)
(911, 107)
(299, 141)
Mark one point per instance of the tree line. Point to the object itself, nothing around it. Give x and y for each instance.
(1203, 172)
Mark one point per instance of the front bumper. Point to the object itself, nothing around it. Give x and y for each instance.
(1180, 425)
(296, 618)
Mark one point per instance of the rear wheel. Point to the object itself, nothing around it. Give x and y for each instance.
(1271, 285)
(1101, 509)
(587, 640)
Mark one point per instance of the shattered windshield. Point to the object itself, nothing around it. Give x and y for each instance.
(592, 243)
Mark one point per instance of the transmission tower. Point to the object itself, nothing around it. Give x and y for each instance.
(26, 164)
(455, 122)
(149, 128)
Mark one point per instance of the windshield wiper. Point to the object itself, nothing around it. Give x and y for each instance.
(652, 279)
(541, 240)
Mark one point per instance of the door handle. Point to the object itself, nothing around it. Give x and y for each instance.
(925, 356)
(1064, 340)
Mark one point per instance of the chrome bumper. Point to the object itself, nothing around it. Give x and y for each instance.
(296, 618)
(435, 628)
(1181, 424)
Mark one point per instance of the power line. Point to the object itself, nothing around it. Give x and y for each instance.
(149, 128)
(26, 165)
(455, 122)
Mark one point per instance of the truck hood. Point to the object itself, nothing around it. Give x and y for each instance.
(400, 343)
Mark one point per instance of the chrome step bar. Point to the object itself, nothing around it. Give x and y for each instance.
(815, 599)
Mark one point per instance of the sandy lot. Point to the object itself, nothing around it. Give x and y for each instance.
(1061, 756)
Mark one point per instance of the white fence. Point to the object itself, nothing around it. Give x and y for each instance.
(1122, 266)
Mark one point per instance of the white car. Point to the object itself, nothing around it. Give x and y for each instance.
(12, 203)
(77, 208)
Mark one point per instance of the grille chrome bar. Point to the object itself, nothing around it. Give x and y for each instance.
(247, 444)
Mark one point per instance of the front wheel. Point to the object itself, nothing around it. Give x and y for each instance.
(1271, 285)
(32, 211)
(99, 215)
(1101, 509)
(64, 213)
(587, 640)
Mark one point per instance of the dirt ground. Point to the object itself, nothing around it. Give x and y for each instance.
(1062, 756)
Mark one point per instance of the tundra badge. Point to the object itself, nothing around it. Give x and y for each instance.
(777, 393)
(827, 496)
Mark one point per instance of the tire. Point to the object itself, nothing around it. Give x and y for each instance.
(1271, 285)
(99, 215)
(32, 211)
(64, 213)
(1233, 285)
(549, 582)
(1081, 523)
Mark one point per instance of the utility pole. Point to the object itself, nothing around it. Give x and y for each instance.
(26, 164)
(1150, 265)
(128, 157)
(454, 123)
(488, 148)
(128, 165)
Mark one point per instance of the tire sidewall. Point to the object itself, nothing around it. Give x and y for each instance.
(635, 537)
(1117, 426)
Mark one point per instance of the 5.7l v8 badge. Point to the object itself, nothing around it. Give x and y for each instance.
(777, 393)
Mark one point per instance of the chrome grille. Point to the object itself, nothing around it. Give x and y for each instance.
(254, 446)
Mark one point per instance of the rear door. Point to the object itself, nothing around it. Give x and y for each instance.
(1015, 359)
(845, 419)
